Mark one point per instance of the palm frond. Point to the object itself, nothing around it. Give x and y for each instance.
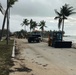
(2, 10)
(57, 12)
(66, 10)
(12, 2)
(45, 26)
(56, 17)
(73, 13)
(22, 24)
(70, 7)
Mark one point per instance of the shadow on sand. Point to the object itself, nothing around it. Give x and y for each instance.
(22, 69)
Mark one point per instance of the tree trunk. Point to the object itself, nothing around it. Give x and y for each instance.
(42, 33)
(7, 22)
(3, 23)
(30, 28)
(62, 29)
(25, 27)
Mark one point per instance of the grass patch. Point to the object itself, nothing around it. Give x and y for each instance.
(5, 57)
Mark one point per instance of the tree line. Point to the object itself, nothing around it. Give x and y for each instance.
(33, 24)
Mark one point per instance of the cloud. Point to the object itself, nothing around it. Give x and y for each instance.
(39, 10)
(29, 8)
(37, 7)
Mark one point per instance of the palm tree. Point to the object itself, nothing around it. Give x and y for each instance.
(59, 17)
(42, 25)
(34, 25)
(9, 4)
(25, 23)
(31, 22)
(65, 11)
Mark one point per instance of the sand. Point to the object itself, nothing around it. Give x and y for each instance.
(27, 66)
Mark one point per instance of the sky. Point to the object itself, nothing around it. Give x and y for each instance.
(39, 10)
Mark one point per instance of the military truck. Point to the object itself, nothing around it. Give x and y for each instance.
(34, 37)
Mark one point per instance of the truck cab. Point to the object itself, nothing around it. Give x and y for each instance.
(55, 36)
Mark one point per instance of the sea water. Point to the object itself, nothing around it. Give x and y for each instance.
(70, 38)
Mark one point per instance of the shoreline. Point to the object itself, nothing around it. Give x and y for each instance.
(74, 45)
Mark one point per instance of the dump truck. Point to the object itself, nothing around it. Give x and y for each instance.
(34, 37)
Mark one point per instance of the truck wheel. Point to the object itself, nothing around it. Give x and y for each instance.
(38, 41)
(29, 41)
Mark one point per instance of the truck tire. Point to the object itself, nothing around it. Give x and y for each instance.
(29, 41)
(38, 41)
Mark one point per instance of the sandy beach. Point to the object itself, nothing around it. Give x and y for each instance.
(39, 59)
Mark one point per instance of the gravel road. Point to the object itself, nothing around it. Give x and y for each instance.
(45, 60)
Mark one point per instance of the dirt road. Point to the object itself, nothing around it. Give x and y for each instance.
(39, 59)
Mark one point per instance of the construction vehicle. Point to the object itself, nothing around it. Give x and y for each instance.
(55, 40)
(34, 37)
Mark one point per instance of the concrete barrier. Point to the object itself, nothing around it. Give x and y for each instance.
(13, 50)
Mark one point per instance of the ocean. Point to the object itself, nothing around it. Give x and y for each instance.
(70, 38)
